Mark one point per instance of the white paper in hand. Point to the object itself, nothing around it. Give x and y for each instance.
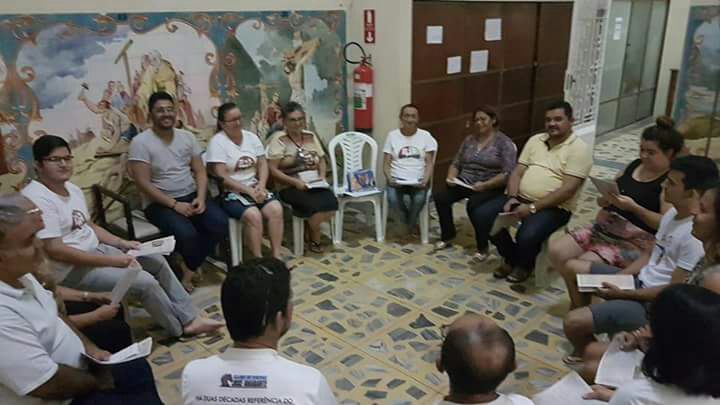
(162, 246)
(593, 282)
(502, 221)
(568, 391)
(618, 367)
(461, 183)
(134, 351)
(123, 285)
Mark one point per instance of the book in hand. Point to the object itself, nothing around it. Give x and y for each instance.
(134, 351)
(162, 246)
(605, 187)
(312, 179)
(618, 367)
(406, 181)
(360, 183)
(504, 220)
(593, 282)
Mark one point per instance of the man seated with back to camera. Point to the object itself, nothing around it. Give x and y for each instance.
(478, 355)
(43, 360)
(256, 300)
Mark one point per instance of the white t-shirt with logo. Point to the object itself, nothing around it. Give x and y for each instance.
(250, 376)
(646, 392)
(674, 247)
(408, 153)
(241, 160)
(502, 399)
(64, 217)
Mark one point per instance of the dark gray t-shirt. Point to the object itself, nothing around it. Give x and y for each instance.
(170, 164)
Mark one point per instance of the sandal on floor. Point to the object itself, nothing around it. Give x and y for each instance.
(571, 360)
(518, 275)
(480, 256)
(502, 271)
(315, 247)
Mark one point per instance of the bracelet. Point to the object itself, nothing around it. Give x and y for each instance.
(85, 295)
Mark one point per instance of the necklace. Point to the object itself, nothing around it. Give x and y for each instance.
(297, 145)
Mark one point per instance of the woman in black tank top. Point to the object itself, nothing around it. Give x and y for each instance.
(626, 224)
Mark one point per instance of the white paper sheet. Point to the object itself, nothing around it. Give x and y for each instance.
(162, 246)
(605, 187)
(123, 285)
(493, 29)
(434, 34)
(504, 220)
(479, 61)
(318, 184)
(568, 391)
(362, 193)
(406, 182)
(132, 352)
(454, 65)
(618, 367)
(592, 282)
(461, 183)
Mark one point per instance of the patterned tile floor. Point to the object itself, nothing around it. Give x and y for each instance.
(368, 314)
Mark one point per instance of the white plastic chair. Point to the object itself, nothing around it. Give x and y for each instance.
(215, 186)
(424, 216)
(352, 145)
(298, 225)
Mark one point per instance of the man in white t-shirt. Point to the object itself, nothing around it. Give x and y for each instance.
(408, 166)
(256, 301)
(42, 353)
(237, 158)
(87, 257)
(478, 355)
(168, 171)
(671, 261)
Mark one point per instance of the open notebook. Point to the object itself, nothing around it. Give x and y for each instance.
(593, 282)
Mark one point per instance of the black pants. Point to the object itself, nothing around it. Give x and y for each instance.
(112, 335)
(134, 384)
(444, 201)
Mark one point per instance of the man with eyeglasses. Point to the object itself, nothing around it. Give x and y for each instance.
(42, 352)
(168, 170)
(477, 355)
(87, 257)
(256, 300)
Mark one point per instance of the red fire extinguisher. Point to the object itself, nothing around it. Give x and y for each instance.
(362, 91)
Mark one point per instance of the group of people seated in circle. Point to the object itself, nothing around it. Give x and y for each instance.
(57, 267)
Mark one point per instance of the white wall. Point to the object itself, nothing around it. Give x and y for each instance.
(672, 49)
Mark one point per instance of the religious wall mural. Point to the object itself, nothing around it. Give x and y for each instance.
(87, 78)
(697, 99)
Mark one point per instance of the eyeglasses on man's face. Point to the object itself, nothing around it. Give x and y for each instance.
(57, 159)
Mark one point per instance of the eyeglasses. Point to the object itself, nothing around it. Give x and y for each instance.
(58, 159)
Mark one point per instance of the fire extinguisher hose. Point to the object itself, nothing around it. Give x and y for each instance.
(364, 59)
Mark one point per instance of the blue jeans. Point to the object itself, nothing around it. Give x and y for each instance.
(535, 230)
(195, 236)
(134, 384)
(407, 201)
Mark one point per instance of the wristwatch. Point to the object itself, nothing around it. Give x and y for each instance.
(533, 208)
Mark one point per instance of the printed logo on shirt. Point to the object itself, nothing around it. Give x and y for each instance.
(244, 162)
(409, 152)
(78, 220)
(243, 381)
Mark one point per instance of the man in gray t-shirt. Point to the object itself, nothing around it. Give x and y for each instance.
(166, 165)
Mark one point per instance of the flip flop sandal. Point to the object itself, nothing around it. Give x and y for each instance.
(315, 247)
(518, 275)
(571, 360)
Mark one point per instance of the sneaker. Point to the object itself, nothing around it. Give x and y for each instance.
(441, 245)
(481, 256)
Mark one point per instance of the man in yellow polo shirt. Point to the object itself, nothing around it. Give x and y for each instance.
(541, 192)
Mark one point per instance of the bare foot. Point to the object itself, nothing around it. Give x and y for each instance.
(187, 281)
(201, 325)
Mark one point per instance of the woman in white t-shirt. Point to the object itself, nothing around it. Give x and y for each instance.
(682, 355)
(238, 158)
(408, 166)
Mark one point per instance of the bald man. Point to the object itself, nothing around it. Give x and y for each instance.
(477, 355)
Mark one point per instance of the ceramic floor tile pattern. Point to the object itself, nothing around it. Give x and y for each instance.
(369, 314)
